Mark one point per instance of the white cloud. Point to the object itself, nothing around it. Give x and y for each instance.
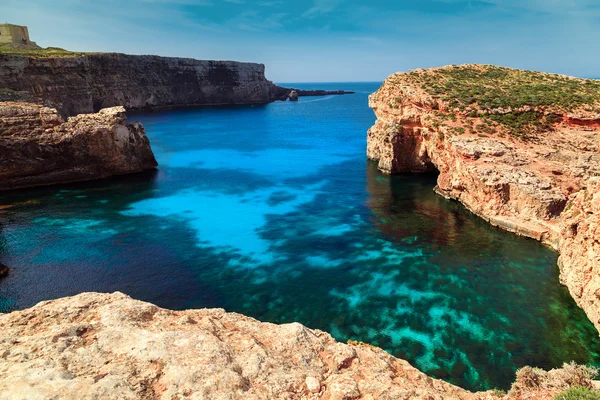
(321, 7)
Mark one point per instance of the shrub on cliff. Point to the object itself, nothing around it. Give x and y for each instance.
(569, 376)
(578, 393)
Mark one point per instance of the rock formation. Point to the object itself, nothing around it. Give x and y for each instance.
(76, 84)
(293, 96)
(520, 149)
(39, 148)
(109, 346)
(88, 83)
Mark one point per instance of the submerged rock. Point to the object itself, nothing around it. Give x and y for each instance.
(3, 271)
(524, 159)
(39, 147)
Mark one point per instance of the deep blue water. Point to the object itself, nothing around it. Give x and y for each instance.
(273, 211)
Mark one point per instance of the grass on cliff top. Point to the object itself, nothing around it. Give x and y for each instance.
(487, 87)
(47, 52)
(523, 103)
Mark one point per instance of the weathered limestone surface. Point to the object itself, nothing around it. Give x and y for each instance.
(108, 346)
(94, 346)
(546, 187)
(39, 148)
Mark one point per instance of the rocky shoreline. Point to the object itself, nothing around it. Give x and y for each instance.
(543, 184)
(39, 147)
(530, 169)
(87, 83)
(109, 346)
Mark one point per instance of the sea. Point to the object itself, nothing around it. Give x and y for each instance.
(275, 212)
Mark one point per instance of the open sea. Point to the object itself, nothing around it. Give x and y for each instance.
(274, 211)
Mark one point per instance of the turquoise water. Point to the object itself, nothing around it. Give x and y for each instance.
(273, 211)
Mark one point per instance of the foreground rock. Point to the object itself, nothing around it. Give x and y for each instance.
(39, 148)
(77, 83)
(520, 149)
(109, 346)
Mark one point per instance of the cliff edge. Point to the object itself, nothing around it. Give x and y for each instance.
(39, 147)
(95, 345)
(77, 83)
(521, 149)
(87, 83)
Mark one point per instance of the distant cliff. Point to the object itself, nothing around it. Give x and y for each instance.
(88, 83)
(39, 148)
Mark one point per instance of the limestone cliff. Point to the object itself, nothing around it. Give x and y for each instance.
(95, 346)
(87, 83)
(519, 148)
(39, 148)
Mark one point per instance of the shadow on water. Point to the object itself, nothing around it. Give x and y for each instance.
(140, 183)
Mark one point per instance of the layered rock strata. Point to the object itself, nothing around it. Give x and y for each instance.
(39, 147)
(94, 346)
(518, 148)
(87, 83)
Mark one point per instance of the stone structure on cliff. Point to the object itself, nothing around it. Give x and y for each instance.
(94, 346)
(520, 149)
(39, 147)
(16, 36)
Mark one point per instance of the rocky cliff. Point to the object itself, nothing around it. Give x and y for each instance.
(87, 83)
(39, 147)
(95, 346)
(521, 149)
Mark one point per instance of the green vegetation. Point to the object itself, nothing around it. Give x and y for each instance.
(528, 121)
(489, 87)
(47, 52)
(578, 393)
(518, 102)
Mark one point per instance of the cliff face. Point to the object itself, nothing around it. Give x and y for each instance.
(88, 83)
(518, 148)
(39, 148)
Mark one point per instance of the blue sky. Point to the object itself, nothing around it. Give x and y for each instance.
(328, 40)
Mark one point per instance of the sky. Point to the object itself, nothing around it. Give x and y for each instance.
(327, 40)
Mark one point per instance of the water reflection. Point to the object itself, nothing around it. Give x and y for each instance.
(480, 313)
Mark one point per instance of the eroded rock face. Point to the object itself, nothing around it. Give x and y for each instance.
(110, 346)
(88, 83)
(39, 148)
(545, 187)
